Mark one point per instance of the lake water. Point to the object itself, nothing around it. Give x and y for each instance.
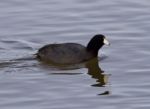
(120, 80)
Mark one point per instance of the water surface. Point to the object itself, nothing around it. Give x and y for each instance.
(119, 80)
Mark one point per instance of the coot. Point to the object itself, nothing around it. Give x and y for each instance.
(71, 53)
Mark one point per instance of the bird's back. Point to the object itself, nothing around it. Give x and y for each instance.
(66, 53)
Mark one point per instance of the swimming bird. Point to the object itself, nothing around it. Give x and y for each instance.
(71, 53)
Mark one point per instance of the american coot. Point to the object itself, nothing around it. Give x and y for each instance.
(71, 53)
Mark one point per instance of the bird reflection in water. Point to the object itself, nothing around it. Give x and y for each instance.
(97, 73)
(93, 70)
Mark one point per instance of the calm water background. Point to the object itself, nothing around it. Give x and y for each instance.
(26, 25)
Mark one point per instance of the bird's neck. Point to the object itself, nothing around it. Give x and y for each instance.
(93, 49)
(93, 52)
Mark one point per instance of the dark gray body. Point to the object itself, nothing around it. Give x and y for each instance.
(65, 53)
